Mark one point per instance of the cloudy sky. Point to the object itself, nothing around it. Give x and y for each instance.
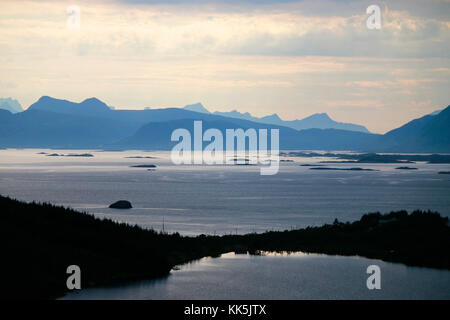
(294, 58)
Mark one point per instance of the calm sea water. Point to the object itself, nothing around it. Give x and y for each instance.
(218, 199)
(237, 199)
(296, 276)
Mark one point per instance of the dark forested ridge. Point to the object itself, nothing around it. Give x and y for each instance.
(41, 240)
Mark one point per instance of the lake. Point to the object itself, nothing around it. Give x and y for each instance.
(294, 276)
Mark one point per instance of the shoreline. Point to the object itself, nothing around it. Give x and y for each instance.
(46, 239)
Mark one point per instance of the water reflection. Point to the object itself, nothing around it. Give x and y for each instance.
(282, 276)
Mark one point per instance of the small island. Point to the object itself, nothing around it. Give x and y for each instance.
(371, 157)
(406, 168)
(87, 155)
(121, 204)
(140, 157)
(342, 169)
(143, 166)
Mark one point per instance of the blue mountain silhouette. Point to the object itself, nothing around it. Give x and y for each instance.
(58, 123)
(316, 121)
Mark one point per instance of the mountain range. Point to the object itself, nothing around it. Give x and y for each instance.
(316, 121)
(55, 123)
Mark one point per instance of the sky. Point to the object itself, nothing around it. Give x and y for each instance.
(293, 58)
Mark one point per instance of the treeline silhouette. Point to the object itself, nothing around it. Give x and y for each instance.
(39, 241)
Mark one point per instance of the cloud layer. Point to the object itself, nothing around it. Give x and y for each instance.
(289, 57)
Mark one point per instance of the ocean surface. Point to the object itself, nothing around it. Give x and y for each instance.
(195, 199)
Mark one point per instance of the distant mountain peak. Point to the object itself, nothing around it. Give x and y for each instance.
(236, 114)
(48, 99)
(11, 105)
(430, 133)
(322, 116)
(94, 102)
(45, 98)
(88, 106)
(234, 111)
(273, 118)
(323, 121)
(316, 120)
(196, 107)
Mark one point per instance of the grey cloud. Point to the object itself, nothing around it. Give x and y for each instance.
(437, 9)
